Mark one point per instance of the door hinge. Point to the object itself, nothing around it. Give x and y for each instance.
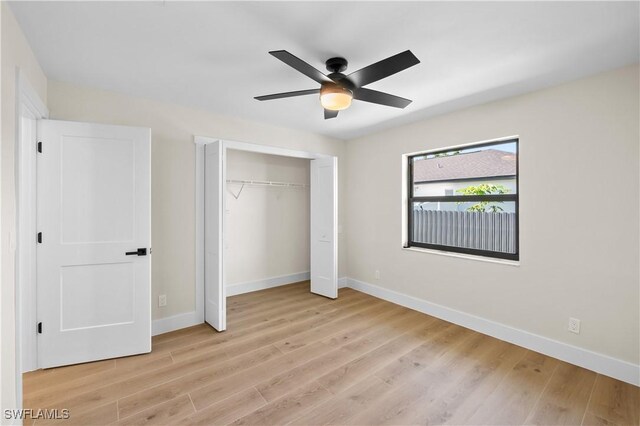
(40, 147)
(39, 328)
(40, 237)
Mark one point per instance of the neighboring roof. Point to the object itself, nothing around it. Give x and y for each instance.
(472, 165)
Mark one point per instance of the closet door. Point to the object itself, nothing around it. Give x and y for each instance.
(214, 292)
(324, 227)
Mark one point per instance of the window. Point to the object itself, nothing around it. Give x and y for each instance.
(465, 199)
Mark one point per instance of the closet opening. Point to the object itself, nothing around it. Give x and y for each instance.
(266, 222)
(265, 216)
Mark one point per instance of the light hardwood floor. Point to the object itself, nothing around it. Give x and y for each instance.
(292, 357)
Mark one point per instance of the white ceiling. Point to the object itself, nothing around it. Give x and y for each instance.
(214, 55)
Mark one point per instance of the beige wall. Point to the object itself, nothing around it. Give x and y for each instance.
(579, 222)
(266, 228)
(15, 53)
(173, 175)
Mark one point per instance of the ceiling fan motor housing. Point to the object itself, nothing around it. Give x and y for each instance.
(336, 64)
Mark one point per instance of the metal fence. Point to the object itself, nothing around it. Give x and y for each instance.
(475, 230)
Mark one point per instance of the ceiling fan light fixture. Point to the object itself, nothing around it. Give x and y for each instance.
(337, 90)
(334, 97)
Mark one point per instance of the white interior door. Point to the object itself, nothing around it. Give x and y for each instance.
(214, 292)
(93, 255)
(324, 227)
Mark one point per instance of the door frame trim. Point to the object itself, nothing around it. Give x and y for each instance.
(25, 260)
(200, 142)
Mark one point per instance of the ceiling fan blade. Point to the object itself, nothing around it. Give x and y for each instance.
(330, 114)
(375, 97)
(300, 65)
(383, 68)
(287, 94)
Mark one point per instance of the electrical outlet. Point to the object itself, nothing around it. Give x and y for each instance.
(574, 325)
(377, 274)
(162, 300)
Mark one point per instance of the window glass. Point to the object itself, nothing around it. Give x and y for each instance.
(466, 225)
(466, 200)
(471, 171)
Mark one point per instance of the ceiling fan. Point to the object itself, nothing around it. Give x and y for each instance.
(337, 90)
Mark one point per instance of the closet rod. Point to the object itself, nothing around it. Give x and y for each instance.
(267, 183)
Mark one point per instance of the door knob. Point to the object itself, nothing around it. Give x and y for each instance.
(139, 252)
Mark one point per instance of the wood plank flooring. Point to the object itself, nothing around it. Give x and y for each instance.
(292, 357)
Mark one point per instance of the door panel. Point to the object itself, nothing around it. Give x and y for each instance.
(324, 227)
(108, 217)
(214, 291)
(96, 295)
(94, 202)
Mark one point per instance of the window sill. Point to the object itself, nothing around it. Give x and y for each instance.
(464, 256)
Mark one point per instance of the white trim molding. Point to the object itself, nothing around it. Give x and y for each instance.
(259, 148)
(175, 322)
(29, 107)
(343, 282)
(249, 286)
(603, 364)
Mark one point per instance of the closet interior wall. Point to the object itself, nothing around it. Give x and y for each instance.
(266, 226)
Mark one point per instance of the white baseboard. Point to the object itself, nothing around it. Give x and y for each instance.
(343, 282)
(176, 322)
(603, 364)
(249, 286)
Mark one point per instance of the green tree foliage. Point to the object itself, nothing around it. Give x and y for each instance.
(484, 189)
(446, 154)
